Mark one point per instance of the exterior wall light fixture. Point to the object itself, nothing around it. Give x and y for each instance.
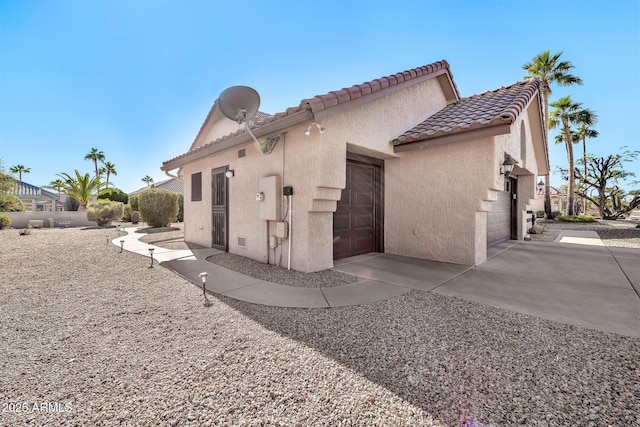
(230, 173)
(540, 187)
(320, 128)
(507, 165)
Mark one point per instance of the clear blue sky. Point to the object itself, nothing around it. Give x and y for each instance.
(136, 78)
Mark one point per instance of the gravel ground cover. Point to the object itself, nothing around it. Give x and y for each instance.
(281, 275)
(93, 337)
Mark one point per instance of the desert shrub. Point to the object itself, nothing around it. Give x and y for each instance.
(115, 195)
(133, 201)
(575, 218)
(126, 215)
(158, 207)
(135, 217)
(71, 204)
(104, 212)
(180, 217)
(10, 203)
(540, 214)
(5, 221)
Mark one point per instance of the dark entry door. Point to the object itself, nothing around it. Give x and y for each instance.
(502, 220)
(357, 221)
(219, 209)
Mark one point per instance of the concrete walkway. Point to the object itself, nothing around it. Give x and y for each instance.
(575, 280)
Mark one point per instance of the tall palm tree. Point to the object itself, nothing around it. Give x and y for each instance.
(95, 156)
(19, 169)
(110, 169)
(566, 113)
(81, 187)
(148, 180)
(57, 184)
(586, 119)
(549, 69)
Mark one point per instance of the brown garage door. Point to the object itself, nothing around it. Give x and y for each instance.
(357, 221)
(500, 220)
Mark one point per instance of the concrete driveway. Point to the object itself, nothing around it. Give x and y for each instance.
(575, 280)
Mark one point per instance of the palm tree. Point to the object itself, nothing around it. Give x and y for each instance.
(95, 156)
(549, 69)
(110, 169)
(148, 180)
(586, 119)
(58, 184)
(81, 187)
(19, 169)
(567, 113)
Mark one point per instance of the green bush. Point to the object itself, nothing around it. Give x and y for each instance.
(575, 218)
(133, 201)
(5, 221)
(158, 207)
(180, 217)
(115, 195)
(540, 214)
(104, 212)
(126, 216)
(135, 217)
(10, 203)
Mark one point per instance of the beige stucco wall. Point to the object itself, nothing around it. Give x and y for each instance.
(313, 165)
(436, 199)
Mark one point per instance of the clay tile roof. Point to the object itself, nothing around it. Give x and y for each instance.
(320, 102)
(172, 184)
(499, 106)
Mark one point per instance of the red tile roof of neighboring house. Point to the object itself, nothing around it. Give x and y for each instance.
(172, 184)
(331, 99)
(496, 107)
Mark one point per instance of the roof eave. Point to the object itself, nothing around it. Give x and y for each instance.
(466, 135)
(225, 144)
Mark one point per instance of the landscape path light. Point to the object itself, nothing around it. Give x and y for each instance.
(151, 255)
(107, 236)
(121, 245)
(203, 277)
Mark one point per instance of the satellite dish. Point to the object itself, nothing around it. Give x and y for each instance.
(239, 103)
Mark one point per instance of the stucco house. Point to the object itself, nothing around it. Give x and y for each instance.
(36, 199)
(401, 164)
(558, 199)
(172, 184)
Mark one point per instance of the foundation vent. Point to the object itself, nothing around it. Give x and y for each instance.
(242, 241)
(242, 152)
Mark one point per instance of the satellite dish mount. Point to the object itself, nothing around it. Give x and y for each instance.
(240, 103)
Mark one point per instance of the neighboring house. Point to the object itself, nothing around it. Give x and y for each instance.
(36, 199)
(558, 199)
(172, 184)
(402, 165)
